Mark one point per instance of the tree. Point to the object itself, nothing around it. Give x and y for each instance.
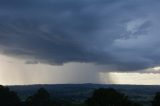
(108, 97)
(8, 98)
(40, 98)
(156, 100)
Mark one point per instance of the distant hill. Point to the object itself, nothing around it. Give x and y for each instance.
(80, 92)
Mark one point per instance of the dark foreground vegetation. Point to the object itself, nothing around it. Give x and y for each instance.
(100, 97)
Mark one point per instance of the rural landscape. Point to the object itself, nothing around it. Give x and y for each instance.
(80, 95)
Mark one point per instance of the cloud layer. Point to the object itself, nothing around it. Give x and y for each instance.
(119, 34)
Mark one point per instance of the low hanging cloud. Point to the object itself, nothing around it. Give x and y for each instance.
(119, 34)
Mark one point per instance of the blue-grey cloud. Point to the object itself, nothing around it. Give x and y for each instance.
(122, 34)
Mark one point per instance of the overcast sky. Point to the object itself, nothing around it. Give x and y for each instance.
(82, 41)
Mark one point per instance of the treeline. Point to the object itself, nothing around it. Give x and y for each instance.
(100, 97)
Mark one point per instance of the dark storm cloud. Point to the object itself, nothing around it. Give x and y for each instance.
(122, 34)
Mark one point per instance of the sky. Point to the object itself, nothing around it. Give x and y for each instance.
(82, 41)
